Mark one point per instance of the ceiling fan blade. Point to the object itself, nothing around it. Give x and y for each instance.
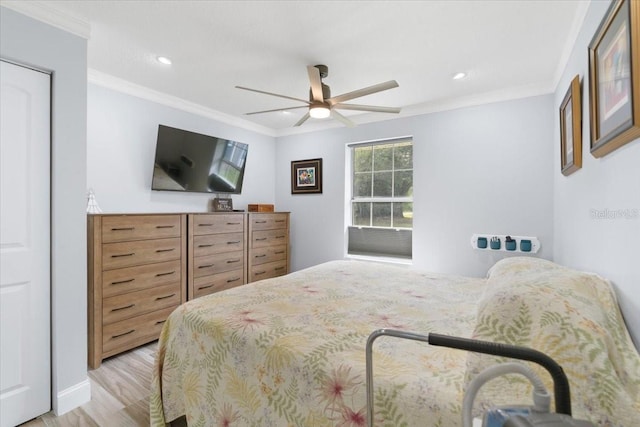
(372, 108)
(316, 83)
(302, 120)
(342, 119)
(363, 92)
(274, 94)
(276, 109)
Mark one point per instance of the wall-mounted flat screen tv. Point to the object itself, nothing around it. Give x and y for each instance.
(189, 161)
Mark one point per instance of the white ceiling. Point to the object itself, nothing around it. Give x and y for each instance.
(510, 48)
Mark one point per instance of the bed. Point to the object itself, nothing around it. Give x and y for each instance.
(290, 351)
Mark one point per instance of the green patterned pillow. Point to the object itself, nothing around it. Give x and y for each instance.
(574, 318)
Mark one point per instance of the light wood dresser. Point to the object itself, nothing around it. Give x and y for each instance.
(268, 254)
(137, 277)
(217, 252)
(142, 266)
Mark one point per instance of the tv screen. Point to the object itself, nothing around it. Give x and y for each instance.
(189, 161)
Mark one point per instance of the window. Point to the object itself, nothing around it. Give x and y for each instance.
(381, 202)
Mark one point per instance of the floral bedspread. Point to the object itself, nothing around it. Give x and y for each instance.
(290, 351)
(574, 318)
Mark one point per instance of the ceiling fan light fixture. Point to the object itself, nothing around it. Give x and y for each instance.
(319, 111)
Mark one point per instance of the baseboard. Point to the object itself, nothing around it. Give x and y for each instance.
(72, 397)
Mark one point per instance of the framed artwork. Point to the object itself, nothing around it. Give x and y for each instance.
(614, 78)
(571, 129)
(306, 176)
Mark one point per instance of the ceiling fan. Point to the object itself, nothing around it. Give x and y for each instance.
(321, 104)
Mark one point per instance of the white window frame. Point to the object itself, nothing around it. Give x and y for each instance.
(349, 174)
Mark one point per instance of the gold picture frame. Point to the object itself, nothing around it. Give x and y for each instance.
(571, 129)
(614, 78)
(306, 176)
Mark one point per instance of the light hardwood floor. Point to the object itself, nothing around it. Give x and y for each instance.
(119, 394)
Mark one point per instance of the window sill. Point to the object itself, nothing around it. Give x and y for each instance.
(381, 259)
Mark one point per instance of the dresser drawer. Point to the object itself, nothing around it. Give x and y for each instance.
(120, 336)
(217, 243)
(127, 228)
(218, 263)
(124, 306)
(268, 254)
(260, 239)
(218, 282)
(267, 271)
(126, 254)
(129, 279)
(217, 223)
(268, 221)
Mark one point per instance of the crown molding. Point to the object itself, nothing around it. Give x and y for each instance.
(570, 43)
(114, 83)
(44, 12)
(110, 82)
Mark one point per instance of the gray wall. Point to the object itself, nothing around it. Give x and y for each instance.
(121, 143)
(30, 42)
(583, 239)
(483, 169)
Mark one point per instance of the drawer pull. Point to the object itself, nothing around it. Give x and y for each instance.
(261, 222)
(165, 274)
(261, 239)
(164, 226)
(123, 308)
(165, 297)
(260, 272)
(122, 282)
(121, 335)
(205, 287)
(123, 255)
(231, 261)
(233, 280)
(233, 223)
(165, 250)
(205, 225)
(123, 229)
(234, 242)
(205, 266)
(204, 246)
(279, 268)
(260, 256)
(279, 237)
(160, 322)
(279, 252)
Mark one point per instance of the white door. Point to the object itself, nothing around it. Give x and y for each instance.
(25, 355)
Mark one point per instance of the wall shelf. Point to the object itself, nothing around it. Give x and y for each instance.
(520, 244)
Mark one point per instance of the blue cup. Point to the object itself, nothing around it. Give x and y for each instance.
(495, 244)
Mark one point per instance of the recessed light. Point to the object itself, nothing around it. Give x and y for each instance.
(164, 60)
(459, 76)
(286, 112)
